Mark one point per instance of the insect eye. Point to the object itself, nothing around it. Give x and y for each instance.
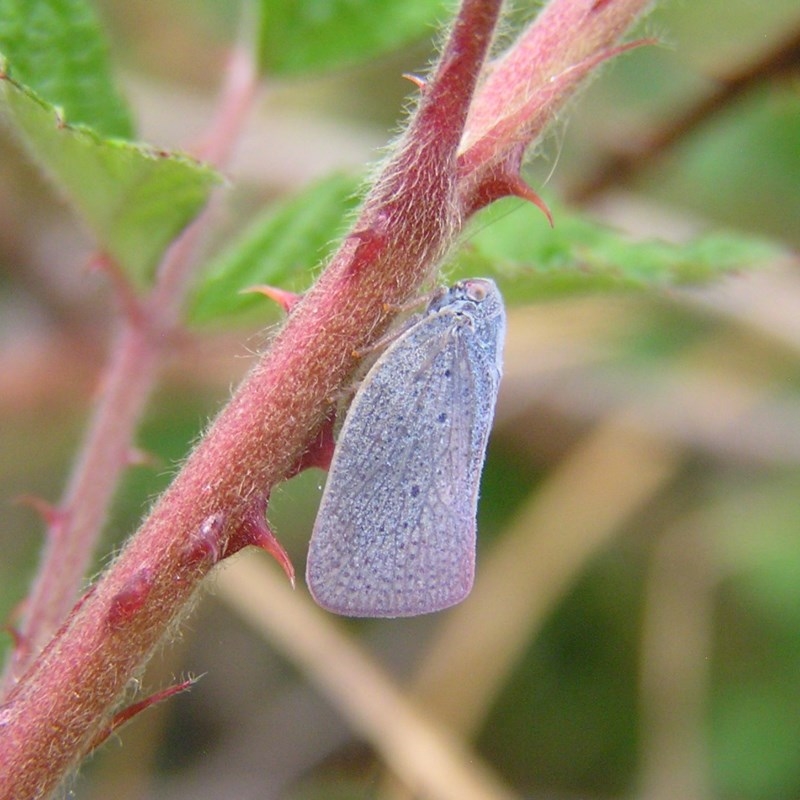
(476, 290)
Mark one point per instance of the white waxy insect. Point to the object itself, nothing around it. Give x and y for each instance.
(395, 531)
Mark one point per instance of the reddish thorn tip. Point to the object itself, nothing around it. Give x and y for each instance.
(128, 713)
(531, 196)
(286, 300)
(142, 458)
(54, 517)
(420, 83)
(256, 531)
(264, 538)
(514, 185)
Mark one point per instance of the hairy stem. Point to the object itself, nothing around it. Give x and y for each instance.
(413, 214)
(132, 370)
(61, 704)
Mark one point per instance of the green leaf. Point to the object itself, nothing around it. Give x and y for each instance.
(754, 737)
(286, 242)
(300, 36)
(579, 255)
(135, 199)
(512, 241)
(57, 49)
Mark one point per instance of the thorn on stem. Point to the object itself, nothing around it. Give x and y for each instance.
(128, 713)
(370, 242)
(507, 186)
(255, 531)
(521, 189)
(319, 452)
(419, 82)
(54, 518)
(286, 300)
(131, 598)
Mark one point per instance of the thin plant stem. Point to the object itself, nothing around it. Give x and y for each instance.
(132, 369)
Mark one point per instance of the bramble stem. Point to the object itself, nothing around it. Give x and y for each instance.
(412, 216)
(131, 373)
(62, 703)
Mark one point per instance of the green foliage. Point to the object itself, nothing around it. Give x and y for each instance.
(134, 198)
(578, 254)
(56, 48)
(755, 738)
(580, 676)
(511, 241)
(278, 248)
(58, 93)
(755, 702)
(304, 36)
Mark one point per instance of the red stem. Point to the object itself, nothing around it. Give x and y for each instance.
(71, 541)
(125, 388)
(413, 214)
(62, 703)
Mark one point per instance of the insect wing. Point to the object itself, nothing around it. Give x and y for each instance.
(395, 533)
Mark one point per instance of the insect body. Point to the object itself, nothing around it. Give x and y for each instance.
(395, 531)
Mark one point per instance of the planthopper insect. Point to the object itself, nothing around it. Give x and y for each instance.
(395, 531)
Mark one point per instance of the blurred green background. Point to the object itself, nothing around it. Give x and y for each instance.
(634, 628)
